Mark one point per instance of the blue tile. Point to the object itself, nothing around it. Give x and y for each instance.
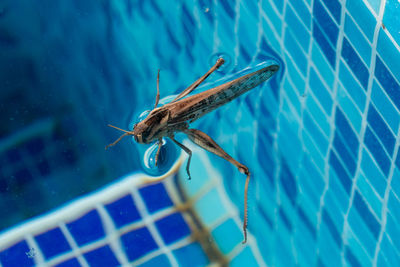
(14, 155)
(349, 108)
(341, 173)
(161, 260)
(393, 230)
(303, 12)
(69, 263)
(388, 53)
(102, 256)
(391, 18)
(381, 129)
(137, 243)
(325, 21)
(227, 235)
(172, 227)
(354, 62)
(156, 197)
(388, 82)
(367, 190)
(362, 46)
(246, 258)
(362, 16)
(16, 255)
(335, 8)
(366, 214)
(284, 218)
(320, 91)
(296, 53)
(319, 138)
(346, 131)
(386, 108)
(344, 154)
(47, 240)
(350, 257)
(322, 65)
(297, 28)
(332, 228)
(288, 183)
(352, 86)
(303, 217)
(123, 211)
(274, 18)
(87, 228)
(373, 173)
(318, 114)
(190, 254)
(228, 6)
(377, 151)
(324, 44)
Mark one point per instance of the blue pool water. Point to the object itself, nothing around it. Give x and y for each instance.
(320, 137)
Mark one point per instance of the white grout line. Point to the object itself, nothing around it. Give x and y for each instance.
(75, 248)
(34, 251)
(151, 227)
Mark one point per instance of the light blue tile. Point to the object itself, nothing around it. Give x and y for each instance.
(331, 204)
(328, 251)
(373, 174)
(321, 92)
(227, 235)
(316, 133)
(273, 17)
(318, 114)
(295, 51)
(367, 191)
(362, 46)
(303, 12)
(270, 36)
(389, 53)
(358, 249)
(337, 189)
(391, 18)
(322, 65)
(348, 107)
(207, 213)
(245, 258)
(296, 76)
(375, 4)
(300, 32)
(362, 16)
(313, 151)
(293, 97)
(352, 86)
(385, 106)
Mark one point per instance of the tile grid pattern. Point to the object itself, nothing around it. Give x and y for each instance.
(136, 228)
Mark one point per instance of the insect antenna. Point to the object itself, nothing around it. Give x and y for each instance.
(119, 139)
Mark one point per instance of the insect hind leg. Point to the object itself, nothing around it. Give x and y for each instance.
(188, 151)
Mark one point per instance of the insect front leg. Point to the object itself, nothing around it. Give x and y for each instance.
(158, 149)
(188, 151)
(158, 89)
(203, 140)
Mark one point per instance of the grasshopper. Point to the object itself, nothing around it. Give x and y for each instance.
(176, 116)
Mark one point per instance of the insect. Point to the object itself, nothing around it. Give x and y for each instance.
(176, 116)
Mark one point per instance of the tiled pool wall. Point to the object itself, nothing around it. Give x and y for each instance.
(320, 138)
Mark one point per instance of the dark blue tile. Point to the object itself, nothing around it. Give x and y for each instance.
(35, 146)
(47, 240)
(3, 185)
(341, 173)
(102, 256)
(325, 46)
(138, 243)
(381, 129)
(13, 155)
(43, 167)
(327, 24)
(189, 26)
(343, 125)
(228, 7)
(366, 215)
(389, 84)
(344, 154)
(285, 219)
(288, 183)
(69, 263)
(377, 151)
(23, 176)
(87, 228)
(351, 258)
(161, 260)
(355, 63)
(192, 253)
(332, 228)
(156, 197)
(123, 211)
(398, 158)
(335, 8)
(172, 228)
(16, 255)
(307, 222)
